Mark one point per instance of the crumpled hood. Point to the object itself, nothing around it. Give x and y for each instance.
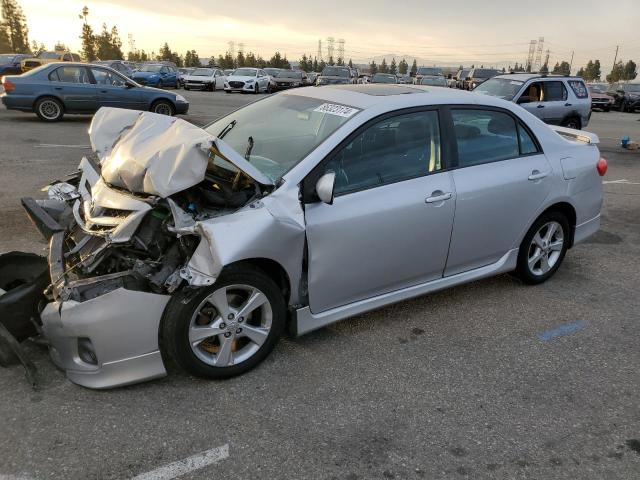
(154, 154)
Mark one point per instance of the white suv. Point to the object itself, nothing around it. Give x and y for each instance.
(556, 100)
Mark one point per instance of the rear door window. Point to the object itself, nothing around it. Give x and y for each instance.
(554, 92)
(70, 75)
(484, 136)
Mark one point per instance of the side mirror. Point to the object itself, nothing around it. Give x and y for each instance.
(324, 187)
(129, 85)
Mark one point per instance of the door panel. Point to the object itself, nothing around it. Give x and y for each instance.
(74, 86)
(378, 240)
(495, 202)
(112, 90)
(500, 184)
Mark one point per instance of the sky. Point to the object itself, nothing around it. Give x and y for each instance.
(487, 32)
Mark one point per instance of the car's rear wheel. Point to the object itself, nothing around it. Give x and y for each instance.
(49, 109)
(543, 248)
(227, 328)
(163, 107)
(572, 122)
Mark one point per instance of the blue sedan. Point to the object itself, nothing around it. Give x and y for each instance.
(157, 75)
(54, 89)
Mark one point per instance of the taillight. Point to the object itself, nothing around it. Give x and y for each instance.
(8, 86)
(602, 166)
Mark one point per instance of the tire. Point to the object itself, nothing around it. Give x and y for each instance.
(256, 90)
(623, 107)
(186, 315)
(607, 109)
(186, 88)
(572, 122)
(269, 88)
(213, 87)
(49, 109)
(540, 257)
(163, 107)
(227, 91)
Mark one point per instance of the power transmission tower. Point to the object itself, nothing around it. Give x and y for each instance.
(232, 48)
(319, 50)
(331, 47)
(532, 51)
(132, 43)
(341, 49)
(538, 61)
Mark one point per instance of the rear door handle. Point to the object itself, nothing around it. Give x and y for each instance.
(537, 175)
(57, 88)
(567, 104)
(438, 196)
(540, 106)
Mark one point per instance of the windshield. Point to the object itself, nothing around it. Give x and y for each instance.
(429, 71)
(463, 74)
(245, 72)
(484, 73)
(382, 78)
(283, 129)
(336, 72)
(7, 58)
(289, 74)
(202, 72)
(272, 71)
(150, 68)
(632, 87)
(434, 81)
(500, 87)
(49, 55)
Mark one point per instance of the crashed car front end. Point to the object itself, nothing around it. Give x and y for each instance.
(146, 215)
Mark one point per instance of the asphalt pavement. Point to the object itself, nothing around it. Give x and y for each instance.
(490, 380)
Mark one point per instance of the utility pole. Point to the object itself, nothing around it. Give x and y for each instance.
(615, 59)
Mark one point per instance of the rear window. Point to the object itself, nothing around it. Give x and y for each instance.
(579, 88)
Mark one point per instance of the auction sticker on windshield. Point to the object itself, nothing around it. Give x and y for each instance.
(334, 109)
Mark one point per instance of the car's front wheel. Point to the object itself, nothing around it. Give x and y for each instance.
(163, 107)
(226, 329)
(49, 109)
(543, 248)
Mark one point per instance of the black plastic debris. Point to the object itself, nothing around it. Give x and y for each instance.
(23, 279)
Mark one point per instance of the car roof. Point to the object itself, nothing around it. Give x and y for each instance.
(364, 96)
(523, 77)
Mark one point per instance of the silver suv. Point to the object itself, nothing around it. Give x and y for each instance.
(553, 99)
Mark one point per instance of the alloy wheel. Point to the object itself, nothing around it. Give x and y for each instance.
(230, 325)
(49, 109)
(545, 248)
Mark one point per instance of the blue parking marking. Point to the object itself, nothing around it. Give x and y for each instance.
(565, 329)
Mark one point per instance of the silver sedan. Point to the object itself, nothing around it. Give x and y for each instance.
(199, 246)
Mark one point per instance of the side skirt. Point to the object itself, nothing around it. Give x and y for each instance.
(305, 321)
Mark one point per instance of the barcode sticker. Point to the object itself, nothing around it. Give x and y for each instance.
(334, 109)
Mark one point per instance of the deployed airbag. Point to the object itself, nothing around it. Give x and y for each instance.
(149, 153)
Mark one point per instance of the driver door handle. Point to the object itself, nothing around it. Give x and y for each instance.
(540, 106)
(537, 175)
(567, 104)
(438, 197)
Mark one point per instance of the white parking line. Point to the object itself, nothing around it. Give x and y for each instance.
(195, 462)
(623, 181)
(53, 145)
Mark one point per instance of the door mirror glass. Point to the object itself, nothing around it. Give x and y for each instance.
(325, 186)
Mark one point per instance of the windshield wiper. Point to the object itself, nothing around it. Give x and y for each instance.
(247, 153)
(227, 129)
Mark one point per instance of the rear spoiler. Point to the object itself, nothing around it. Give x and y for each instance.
(576, 135)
